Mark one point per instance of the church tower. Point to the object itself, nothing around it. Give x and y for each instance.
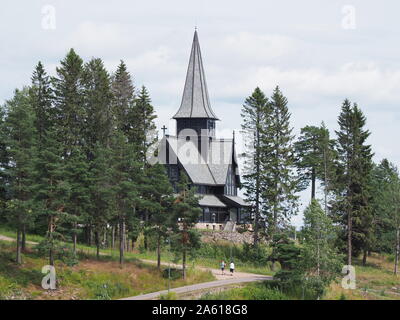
(195, 112)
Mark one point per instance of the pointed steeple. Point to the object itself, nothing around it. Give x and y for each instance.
(195, 101)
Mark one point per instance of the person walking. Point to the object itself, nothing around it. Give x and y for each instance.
(223, 267)
(232, 267)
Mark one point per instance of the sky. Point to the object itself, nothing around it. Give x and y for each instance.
(318, 51)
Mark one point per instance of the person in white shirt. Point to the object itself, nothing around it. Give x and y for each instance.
(232, 267)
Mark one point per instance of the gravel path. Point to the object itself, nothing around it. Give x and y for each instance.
(201, 286)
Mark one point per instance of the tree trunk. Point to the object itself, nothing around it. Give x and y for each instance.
(396, 260)
(121, 240)
(159, 252)
(184, 264)
(313, 183)
(113, 237)
(364, 260)
(23, 242)
(349, 247)
(18, 258)
(97, 240)
(74, 239)
(326, 183)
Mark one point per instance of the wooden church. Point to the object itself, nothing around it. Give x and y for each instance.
(209, 162)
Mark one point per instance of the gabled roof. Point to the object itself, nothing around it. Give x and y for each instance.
(210, 171)
(195, 101)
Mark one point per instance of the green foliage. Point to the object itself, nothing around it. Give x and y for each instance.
(314, 157)
(257, 291)
(351, 206)
(60, 250)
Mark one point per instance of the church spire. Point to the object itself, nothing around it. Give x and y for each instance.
(195, 101)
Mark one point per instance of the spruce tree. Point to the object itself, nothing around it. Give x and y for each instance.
(141, 117)
(279, 182)
(42, 101)
(20, 135)
(254, 113)
(52, 193)
(185, 214)
(100, 192)
(3, 164)
(97, 102)
(386, 209)
(125, 173)
(123, 100)
(351, 206)
(69, 104)
(157, 198)
(78, 176)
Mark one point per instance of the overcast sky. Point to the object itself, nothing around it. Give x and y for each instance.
(319, 52)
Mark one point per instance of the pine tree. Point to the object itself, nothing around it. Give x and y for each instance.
(314, 157)
(20, 138)
(351, 206)
(185, 214)
(254, 113)
(280, 182)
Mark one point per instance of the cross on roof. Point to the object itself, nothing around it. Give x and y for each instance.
(164, 128)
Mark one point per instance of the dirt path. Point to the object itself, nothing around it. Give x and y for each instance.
(4, 238)
(216, 272)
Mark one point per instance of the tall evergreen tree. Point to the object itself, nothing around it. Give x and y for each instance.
(123, 101)
(42, 101)
(97, 102)
(100, 192)
(21, 145)
(157, 194)
(141, 117)
(280, 182)
(386, 209)
(254, 113)
(3, 163)
(69, 103)
(185, 214)
(351, 206)
(314, 157)
(77, 174)
(126, 171)
(52, 192)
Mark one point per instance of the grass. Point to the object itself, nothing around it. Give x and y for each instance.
(375, 281)
(90, 279)
(253, 291)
